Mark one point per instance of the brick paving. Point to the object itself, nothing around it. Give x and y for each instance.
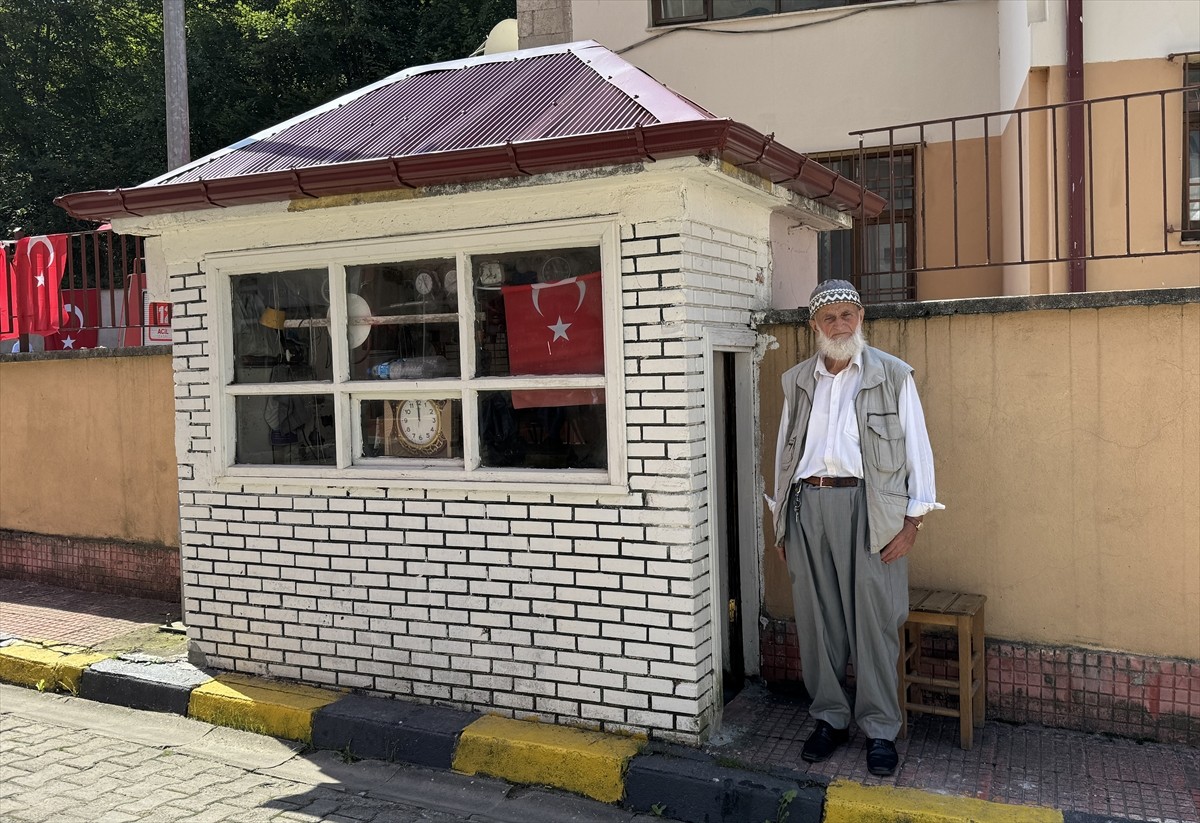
(1022, 764)
(35, 611)
(68, 760)
(66, 775)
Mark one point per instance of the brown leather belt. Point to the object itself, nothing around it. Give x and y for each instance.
(831, 482)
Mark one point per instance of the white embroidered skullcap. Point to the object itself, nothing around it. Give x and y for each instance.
(832, 291)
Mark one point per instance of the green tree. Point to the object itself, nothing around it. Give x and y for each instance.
(81, 81)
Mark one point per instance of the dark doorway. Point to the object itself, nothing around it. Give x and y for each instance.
(726, 527)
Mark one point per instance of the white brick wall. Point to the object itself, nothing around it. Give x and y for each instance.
(591, 611)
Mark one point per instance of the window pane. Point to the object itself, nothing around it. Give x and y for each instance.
(539, 312)
(423, 429)
(835, 255)
(722, 9)
(281, 327)
(680, 9)
(887, 248)
(285, 429)
(550, 429)
(403, 320)
(1193, 209)
(805, 5)
(892, 178)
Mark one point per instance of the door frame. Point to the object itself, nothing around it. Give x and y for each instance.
(743, 343)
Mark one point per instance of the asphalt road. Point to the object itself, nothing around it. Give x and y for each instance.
(68, 760)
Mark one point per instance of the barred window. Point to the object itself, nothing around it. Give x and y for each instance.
(878, 254)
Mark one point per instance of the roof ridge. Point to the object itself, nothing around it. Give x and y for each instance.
(351, 96)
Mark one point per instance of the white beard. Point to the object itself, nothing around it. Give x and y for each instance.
(838, 350)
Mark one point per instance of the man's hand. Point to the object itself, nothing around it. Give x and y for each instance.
(782, 554)
(901, 544)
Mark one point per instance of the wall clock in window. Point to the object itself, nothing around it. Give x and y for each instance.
(424, 282)
(421, 426)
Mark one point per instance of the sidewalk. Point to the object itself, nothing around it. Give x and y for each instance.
(1088, 778)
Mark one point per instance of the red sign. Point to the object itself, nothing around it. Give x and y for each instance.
(556, 328)
(160, 314)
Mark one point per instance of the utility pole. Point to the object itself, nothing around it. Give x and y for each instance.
(179, 150)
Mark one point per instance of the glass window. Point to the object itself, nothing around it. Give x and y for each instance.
(666, 12)
(402, 320)
(554, 429)
(281, 327)
(877, 255)
(1191, 171)
(539, 312)
(399, 388)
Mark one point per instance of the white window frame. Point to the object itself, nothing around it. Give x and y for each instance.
(335, 257)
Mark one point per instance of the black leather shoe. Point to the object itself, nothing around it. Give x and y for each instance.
(823, 742)
(881, 757)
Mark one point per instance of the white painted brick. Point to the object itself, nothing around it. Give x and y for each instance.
(641, 616)
(641, 650)
(616, 697)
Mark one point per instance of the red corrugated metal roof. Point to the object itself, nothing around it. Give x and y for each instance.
(570, 106)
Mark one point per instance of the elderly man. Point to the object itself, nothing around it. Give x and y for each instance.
(853, 482)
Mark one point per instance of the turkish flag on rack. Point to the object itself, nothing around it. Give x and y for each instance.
(34, 274)
(556, 328)
(81, 321)
(7, 324)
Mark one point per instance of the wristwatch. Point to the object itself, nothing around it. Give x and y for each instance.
(916, 523)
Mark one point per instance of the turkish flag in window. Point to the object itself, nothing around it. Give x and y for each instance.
(556, 328)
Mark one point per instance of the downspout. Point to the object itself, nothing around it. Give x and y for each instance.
(1076, 206)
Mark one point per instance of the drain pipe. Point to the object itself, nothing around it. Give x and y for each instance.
(1076, 206)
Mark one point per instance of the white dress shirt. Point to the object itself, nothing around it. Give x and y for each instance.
(831, 447)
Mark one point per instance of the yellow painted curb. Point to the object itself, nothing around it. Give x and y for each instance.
(847, 802)
(262, 706)
(69, 669)
(28, 665)
(50, 669)
(587, 763)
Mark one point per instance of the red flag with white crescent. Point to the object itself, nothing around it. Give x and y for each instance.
(38, 264)
(8, 325)
(556, 328)
(81, 322)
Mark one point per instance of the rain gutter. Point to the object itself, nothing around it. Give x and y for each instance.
(733, 142)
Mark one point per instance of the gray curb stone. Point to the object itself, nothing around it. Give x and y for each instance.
(691, 786)
(142, 682)
(376, 728)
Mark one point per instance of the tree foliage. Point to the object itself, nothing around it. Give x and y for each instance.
(81, 81)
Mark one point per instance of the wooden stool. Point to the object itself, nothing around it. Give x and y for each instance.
(964, 613)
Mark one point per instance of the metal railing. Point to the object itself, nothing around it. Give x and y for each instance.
(992, 191)
(101, 293)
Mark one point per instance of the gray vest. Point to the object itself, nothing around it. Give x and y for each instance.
(881, 438)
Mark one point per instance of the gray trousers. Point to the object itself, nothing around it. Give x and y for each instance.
(850, 606)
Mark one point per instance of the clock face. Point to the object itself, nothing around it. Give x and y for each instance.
(420, 422)
(424, 282)
(491, 274)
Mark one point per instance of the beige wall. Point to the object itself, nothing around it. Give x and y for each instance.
(87, 448)
(1109, 192)
(810, 77)
(1031, 218)
(1067, 445)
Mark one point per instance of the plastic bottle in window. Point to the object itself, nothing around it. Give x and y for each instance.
(411, 368)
